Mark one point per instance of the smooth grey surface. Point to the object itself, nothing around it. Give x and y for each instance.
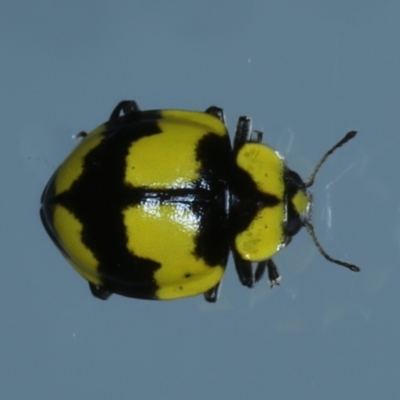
(306, 72)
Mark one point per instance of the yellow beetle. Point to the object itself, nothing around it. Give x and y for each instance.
(150, 203)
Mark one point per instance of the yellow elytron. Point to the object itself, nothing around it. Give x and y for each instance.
(150, 203)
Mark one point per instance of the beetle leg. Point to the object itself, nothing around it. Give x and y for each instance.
(244, 270)
(212, 295)
(243, 132)
(126, 106)
(81, 135)
(217, 112)
(258, 138)
(261, 266)
(273, 273)
(99, 292)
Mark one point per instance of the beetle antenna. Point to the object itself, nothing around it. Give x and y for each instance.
(347, 137)
(310, 230)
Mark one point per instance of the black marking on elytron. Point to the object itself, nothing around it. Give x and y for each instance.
(96, 199)
(212, 242)
(142, 122)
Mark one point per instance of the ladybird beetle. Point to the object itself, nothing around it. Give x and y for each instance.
(150, 204)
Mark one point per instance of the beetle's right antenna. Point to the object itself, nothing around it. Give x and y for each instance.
(310, 230)
(348, 136)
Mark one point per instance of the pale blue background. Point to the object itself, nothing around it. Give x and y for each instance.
(307, 72)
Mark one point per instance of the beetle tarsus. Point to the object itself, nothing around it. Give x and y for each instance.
(99, 292)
